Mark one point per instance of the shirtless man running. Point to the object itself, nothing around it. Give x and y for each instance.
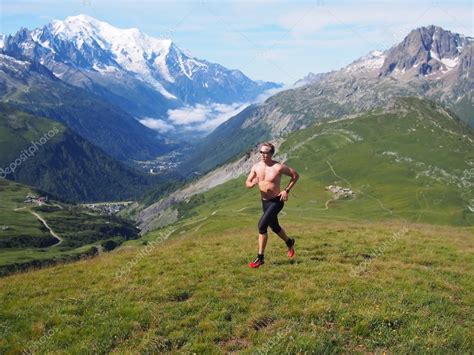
(267, 174)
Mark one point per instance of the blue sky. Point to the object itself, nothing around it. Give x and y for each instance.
(268, 40)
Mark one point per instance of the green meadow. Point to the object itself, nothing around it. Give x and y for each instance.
(193, 292)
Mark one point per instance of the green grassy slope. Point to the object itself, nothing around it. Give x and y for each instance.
(63, 163)
(11, 208)
(194, 292)
(390, 270)
(25, 242)
(417, 165)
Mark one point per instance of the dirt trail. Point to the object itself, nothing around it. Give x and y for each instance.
(60, 240)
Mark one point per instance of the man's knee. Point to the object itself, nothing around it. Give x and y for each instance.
(262, 226)
(276, 229)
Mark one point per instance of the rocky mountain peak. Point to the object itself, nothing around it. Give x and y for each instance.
(424, 51)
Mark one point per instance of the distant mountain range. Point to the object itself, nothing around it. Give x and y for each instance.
(430, 62)
(142, 75)
(96, 82)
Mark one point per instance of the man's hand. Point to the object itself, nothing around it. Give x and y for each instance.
(294, 178)
(283, 195)
(252, 179)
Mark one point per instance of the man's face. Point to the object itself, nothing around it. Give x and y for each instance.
(265, 153)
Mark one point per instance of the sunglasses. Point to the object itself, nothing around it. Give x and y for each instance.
(265, 152)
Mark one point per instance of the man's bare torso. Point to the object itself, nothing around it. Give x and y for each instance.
(268, 179)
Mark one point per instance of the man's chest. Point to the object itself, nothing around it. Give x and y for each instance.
(269, 173)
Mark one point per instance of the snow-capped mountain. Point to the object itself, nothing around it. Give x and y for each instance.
(105, 48)
(425, 51)
(365, 64)
(372, 61)
(146, 76)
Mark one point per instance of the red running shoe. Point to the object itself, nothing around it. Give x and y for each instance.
(256, 263)
(291, 248)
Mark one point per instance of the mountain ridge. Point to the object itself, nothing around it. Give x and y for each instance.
(121, 64)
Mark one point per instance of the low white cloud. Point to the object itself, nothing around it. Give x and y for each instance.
(188, 114)
(204, 118)
(219, 114)
(198, 118)
(157, 124)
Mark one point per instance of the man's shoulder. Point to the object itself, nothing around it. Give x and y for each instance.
(281, 167)
(278, 165)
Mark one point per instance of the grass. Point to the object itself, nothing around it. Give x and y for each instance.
(194, 292)
(18, 222)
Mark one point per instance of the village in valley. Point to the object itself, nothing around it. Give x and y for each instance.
(107, 208)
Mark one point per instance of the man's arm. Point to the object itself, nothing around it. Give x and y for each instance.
(291, 173)
(249, 183)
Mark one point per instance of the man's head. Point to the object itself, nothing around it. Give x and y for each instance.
(267, 150)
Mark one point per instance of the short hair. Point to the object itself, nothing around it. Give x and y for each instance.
(269, 145)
